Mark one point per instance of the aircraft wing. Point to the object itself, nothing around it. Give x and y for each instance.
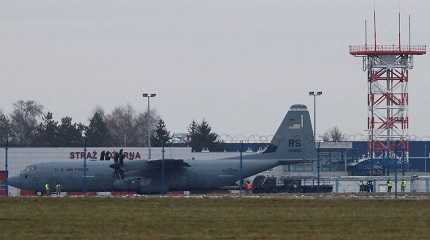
(149, 167)
(168, 164)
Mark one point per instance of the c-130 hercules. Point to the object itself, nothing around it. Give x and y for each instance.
(293, 143)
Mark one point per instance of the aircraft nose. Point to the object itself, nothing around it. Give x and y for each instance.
(14, 181)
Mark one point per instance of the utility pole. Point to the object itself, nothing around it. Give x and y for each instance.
(6, 148)
(396, 175)
(240, 169)
(149, 96)
(84, 180)
(162, 185)
(425, 159)
(315, 94)
(6, 160)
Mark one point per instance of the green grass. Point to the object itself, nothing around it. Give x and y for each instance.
(174, 218)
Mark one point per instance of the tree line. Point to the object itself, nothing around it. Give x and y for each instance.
(28, 125)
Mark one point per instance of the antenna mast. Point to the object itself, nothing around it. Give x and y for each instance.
(365, 33)
(374, 26)
(409, 32)
(387, 68)
(400, 48)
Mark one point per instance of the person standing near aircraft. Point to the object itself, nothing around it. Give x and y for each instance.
(248, 187)
(403, 185)
(47, 189)
(389, 185)
(369, 186)
(58, 189)
(120, 163)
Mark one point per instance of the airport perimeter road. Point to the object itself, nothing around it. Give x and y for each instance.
(207, 218)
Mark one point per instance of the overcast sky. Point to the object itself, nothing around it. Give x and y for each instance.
(240, 64)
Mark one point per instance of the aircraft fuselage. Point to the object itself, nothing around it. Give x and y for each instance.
(139, 177)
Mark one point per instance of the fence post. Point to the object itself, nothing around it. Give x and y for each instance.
(337, 184)
(427, 185)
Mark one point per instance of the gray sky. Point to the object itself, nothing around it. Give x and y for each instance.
(239, 64)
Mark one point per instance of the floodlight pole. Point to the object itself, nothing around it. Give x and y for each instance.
(396, 177)
(315, 94)
(240, 169)
(162, 190)
(6, 149)
(425, 159)
(84, 180)
(6, 146)
(148, 96)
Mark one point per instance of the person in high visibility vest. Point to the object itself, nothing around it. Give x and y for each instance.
(47, 189)
(248, 186)
(403, 185)
(389, 185)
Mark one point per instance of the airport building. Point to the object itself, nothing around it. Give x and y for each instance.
(341, 157)
(338, 160)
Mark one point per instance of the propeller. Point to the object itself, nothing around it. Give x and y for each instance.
(118, 164)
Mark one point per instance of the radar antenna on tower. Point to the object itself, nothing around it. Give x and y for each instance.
(387, 68)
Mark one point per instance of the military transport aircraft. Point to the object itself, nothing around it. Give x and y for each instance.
(293, 143)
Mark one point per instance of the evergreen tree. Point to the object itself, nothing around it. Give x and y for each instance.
(97, 132)
(200, 136)
(69, 133)
(208, 138)
(160, 136)
(46, 134)
(192, 136)
(4, 127)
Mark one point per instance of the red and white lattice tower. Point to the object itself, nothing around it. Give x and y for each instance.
(387, 68)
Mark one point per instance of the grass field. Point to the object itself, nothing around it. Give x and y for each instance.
(179, 218)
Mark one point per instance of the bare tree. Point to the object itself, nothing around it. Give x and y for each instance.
(142, 124)
(333, 134)
(129, 128)
(24, 120)
(122, 125)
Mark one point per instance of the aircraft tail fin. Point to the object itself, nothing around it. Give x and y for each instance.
(294, 138)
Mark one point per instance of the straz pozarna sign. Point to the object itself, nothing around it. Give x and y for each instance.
(95, 155)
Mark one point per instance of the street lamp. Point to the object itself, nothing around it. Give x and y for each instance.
(5, 120)
(5, 140)
(149, 95)
(6, 148)
(241, 169)
(315, 94)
